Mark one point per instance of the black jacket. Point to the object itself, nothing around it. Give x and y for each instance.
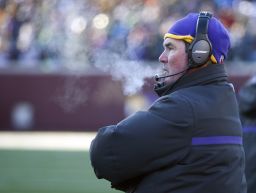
(247, 102)
(188, 141)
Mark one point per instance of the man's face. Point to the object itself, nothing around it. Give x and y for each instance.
(174, 59)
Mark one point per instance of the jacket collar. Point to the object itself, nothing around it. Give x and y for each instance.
(211, 74)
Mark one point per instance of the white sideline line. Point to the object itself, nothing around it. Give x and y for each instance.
(71, 141)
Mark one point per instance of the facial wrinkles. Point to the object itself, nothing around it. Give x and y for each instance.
(174, 58)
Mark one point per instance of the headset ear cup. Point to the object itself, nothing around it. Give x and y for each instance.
(200, 52)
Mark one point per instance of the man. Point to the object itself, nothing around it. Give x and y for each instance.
(189, 140)
(247, 103)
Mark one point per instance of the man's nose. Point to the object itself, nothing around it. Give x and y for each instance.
(163, 58)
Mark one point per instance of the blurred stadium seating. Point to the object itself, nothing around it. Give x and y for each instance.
(49, 49)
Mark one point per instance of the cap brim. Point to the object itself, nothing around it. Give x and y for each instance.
(186, 38)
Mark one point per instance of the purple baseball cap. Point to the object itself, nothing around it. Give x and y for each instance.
(185, 29)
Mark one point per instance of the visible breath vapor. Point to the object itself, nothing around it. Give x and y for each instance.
(132, 74)
(72, 95)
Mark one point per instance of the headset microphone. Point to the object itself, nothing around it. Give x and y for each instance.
(157, 77)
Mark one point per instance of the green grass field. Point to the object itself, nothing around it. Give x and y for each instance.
(33, 171)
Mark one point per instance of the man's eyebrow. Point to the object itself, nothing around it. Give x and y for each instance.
(168, 44)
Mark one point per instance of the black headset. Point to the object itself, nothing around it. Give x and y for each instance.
(200, 50)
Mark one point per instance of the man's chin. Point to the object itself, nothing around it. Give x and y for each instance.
(171, 80)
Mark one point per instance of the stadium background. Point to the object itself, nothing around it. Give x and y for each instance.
(70, 67)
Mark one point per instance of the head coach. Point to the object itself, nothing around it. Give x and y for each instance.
(190, 139)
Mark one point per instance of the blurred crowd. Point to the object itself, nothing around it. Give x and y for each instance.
(81, 32)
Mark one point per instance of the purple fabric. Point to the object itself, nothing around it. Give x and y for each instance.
(217, 33)
(249, 130)
(217, 140)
